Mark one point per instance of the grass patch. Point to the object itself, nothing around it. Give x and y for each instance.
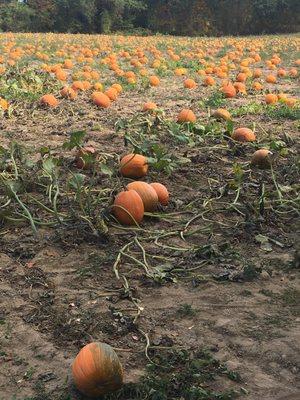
(180, 375)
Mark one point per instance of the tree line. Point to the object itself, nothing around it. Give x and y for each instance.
(177, 17)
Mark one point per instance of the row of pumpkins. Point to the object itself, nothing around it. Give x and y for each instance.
(139, 197)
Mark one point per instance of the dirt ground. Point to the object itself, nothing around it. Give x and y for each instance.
(235, 296)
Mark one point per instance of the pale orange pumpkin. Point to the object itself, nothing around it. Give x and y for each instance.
(128, 208)
(186, 115)
(149, 106)
(244, 135)
(262, 158)
(221, 113)
(162, 193)
(146, 193)
(97, 370)
(134, 166)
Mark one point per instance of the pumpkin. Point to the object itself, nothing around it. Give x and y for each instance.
(229, 91)
(242, 77)
(101, 100)
(133, 166)
(77, 85)
(81, 156)
(243, 135)
(97, 370)
(147, 193)
(271, 98)
(262, 158)
(190, 84)
(49, 100)
(118, 87)
(271, 79)
(112, 93)
(221, 113)
(162, 193)
(128, 208)
(209, 81)
(68, 93)
(154, 80)
(257, 86)
(3, 104)
(149, 106)
(186, 115)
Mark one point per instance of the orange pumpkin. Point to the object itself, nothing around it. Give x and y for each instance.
(262, 158)
(229, 91)
(271, 79)
(190, 84)
(147, 194)
(154, 80)
(243, 135)
(186, 115)
(162, 193)
(209, 81)
(149, 106)
(49, 100)
(134, 166)
(112, 93)
(97, 370)
(128, 208)
(68, 93)
(101, 100)
(271, 98)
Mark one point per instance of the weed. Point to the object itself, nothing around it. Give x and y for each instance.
(180, 375)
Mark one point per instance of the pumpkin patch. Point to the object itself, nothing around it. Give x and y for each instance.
(149, 204)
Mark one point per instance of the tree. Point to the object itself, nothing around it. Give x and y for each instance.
(15, 16)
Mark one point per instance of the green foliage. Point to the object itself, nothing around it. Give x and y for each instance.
(188, 17)
(180, 375)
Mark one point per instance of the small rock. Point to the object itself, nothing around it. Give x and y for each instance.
(264, 275)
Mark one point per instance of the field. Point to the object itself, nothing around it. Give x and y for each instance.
(201, 299)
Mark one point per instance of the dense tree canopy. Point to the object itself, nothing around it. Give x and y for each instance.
(179, 17)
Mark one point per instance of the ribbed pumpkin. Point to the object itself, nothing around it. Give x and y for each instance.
(162, 193)
(221, 113)
(134, 166)
(243, 135)
(128, 208)
(146, 193)
(186, 116)
(97, 370)
(262, 158)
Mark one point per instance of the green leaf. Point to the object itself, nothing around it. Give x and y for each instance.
(49, 165)
(77, 181)
(76, 140)
(106, 170)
